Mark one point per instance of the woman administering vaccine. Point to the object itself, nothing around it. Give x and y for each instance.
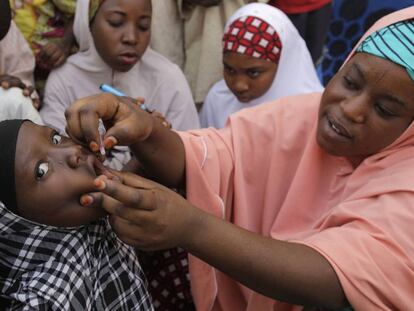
(309, 203)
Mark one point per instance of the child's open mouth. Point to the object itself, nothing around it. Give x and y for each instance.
(98, 168)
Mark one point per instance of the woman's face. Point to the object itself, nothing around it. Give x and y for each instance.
(366, 106)
(121, 32)
(247, 77)
(52, 172)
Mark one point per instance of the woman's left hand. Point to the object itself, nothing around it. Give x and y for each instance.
(143, 213)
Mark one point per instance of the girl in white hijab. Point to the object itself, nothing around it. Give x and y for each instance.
(264, 58)
(113, 49)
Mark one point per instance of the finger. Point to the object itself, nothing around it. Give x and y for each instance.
(26, 92)
(82, 116)
(100, 200)
(5, 84)
(36, 103)
(136, 181)
(55, 56)
(129, 233)
(60, 61)
(132, 197)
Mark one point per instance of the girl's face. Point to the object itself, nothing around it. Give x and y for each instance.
(366, 106)
(52, 172)
(121, 32)
(247, 77)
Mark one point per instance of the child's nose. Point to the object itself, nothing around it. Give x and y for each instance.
(241, 85)
(74, 156)
(130, 35)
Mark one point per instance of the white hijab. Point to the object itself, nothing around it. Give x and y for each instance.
(155, 78)
(296, 73)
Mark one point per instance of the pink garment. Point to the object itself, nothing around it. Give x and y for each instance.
(267, 174)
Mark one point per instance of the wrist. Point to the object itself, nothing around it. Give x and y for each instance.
(196, 228)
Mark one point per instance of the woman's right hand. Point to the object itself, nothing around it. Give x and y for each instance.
(125, 121)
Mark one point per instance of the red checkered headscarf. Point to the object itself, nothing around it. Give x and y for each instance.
(252, 36)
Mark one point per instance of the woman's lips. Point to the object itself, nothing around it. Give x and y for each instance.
(338, 128)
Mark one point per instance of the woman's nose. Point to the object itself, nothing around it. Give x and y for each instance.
(355, 108)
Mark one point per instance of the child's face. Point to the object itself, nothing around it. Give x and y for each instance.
(365, 107)
(247, 77)
(121, 32)
(52, 172)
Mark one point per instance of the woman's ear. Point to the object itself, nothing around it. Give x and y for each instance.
(5, 18)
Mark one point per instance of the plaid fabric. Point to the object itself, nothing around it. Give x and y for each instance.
(168, 278)
(83, 268)
(252, 36)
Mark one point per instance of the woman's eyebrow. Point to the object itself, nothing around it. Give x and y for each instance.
(356, 67)
(395, 99)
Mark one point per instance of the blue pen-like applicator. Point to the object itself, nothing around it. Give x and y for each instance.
(110, 89)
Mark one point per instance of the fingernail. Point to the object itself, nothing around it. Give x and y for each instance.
(109, 142)
(94, 146)
(86, 200)
(99, 183)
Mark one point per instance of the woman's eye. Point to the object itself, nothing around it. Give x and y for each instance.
(56, 139)
(349, 83)
(41, 170)
(384, 112)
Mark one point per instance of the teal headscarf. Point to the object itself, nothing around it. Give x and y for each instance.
(394, 43)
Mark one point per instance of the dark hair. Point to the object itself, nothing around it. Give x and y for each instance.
(9, 131)
(5, 18)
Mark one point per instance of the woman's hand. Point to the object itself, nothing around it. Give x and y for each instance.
(143, 213)
(7, 82)
(158, 149)
(125, 121)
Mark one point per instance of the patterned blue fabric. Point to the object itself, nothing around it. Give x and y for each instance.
(394, 43)
(350, 20)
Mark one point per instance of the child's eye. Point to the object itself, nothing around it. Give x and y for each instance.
(253, 74)
(144, 26)
(115, 23)
(56, 139)
(41, 170)
(229, 70)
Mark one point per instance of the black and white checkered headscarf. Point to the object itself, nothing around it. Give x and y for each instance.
(83, 268)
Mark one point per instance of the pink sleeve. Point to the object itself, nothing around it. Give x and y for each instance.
(370, 245)
(209, 169)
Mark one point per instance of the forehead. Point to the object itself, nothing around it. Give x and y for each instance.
(132, 6)
(31, 140)
(243, 61)
(382, 75)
